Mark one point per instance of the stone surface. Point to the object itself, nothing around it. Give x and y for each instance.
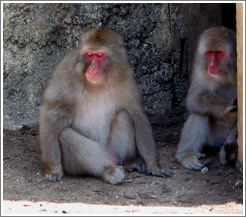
(159, 38)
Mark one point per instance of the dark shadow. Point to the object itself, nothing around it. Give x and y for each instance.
(228, 14)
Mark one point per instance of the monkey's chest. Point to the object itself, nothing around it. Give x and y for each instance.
(93, 120)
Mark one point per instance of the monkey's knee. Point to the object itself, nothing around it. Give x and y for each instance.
(65, 135)
(72, 158)
(123, 118)
(114, 174)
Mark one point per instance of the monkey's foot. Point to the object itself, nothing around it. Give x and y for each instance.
(139, 166)
(136, 165)
(53, 177)
(161, 173)
(54, 174)
(228, 153)
(191, 162)
(114, 175)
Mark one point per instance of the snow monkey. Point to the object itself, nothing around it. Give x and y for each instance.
(211, 100)
(92, 120)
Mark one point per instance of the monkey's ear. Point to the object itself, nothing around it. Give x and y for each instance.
(119, 40)
(80, 58)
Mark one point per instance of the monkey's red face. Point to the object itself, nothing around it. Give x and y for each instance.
(96, 61)
(214, 60)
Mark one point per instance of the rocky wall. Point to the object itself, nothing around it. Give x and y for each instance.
(159, 38)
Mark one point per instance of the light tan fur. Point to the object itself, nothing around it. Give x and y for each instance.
(95, 127)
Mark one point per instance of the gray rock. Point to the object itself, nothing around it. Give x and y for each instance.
(159, 38)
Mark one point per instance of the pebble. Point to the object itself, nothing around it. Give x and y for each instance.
(39, 180)
(204, 170)
(239, 183)
(129, 195)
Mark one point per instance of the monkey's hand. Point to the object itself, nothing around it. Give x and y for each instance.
(228, 153)
(155, 170)
(55, 175)
(136, 165)
(140, 166)
(232, 106)
(161, 173)
(191, 162)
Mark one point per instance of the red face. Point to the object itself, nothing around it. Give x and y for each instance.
(95, 60)
(214, 60)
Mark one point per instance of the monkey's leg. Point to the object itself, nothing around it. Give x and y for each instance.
(194, 136)
(50, 148)
(228, 151)
(122, 138)
(122, 143)
(83, 156)
(146, 146)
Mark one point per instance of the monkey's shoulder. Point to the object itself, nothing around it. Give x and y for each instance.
(66, 64)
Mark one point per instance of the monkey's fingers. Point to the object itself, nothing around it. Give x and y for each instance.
(201, 156)
(207, 161)
(137, 165)
(53, 177)
(232, 108)
(191, 162)
(162, 173)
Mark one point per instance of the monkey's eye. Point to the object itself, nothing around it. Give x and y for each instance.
(89, 54)
(100, 54)
(209, 54)
(220, 54)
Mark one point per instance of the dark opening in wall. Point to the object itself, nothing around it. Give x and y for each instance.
(228, 13)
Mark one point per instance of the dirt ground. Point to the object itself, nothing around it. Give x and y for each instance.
(26, 191)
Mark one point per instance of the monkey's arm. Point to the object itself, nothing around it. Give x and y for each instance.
(207, 103)
(54, 116)
(51, 123)
(146, 145)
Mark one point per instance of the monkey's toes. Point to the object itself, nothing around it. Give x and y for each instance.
(191, 162)
(162, 173)
(136, 166)
(114, 175)
(167, 173)
(53, 177)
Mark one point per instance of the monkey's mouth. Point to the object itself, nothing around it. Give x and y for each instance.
(213, 70)
(213, 73)
(94, 72)
(94, 78)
